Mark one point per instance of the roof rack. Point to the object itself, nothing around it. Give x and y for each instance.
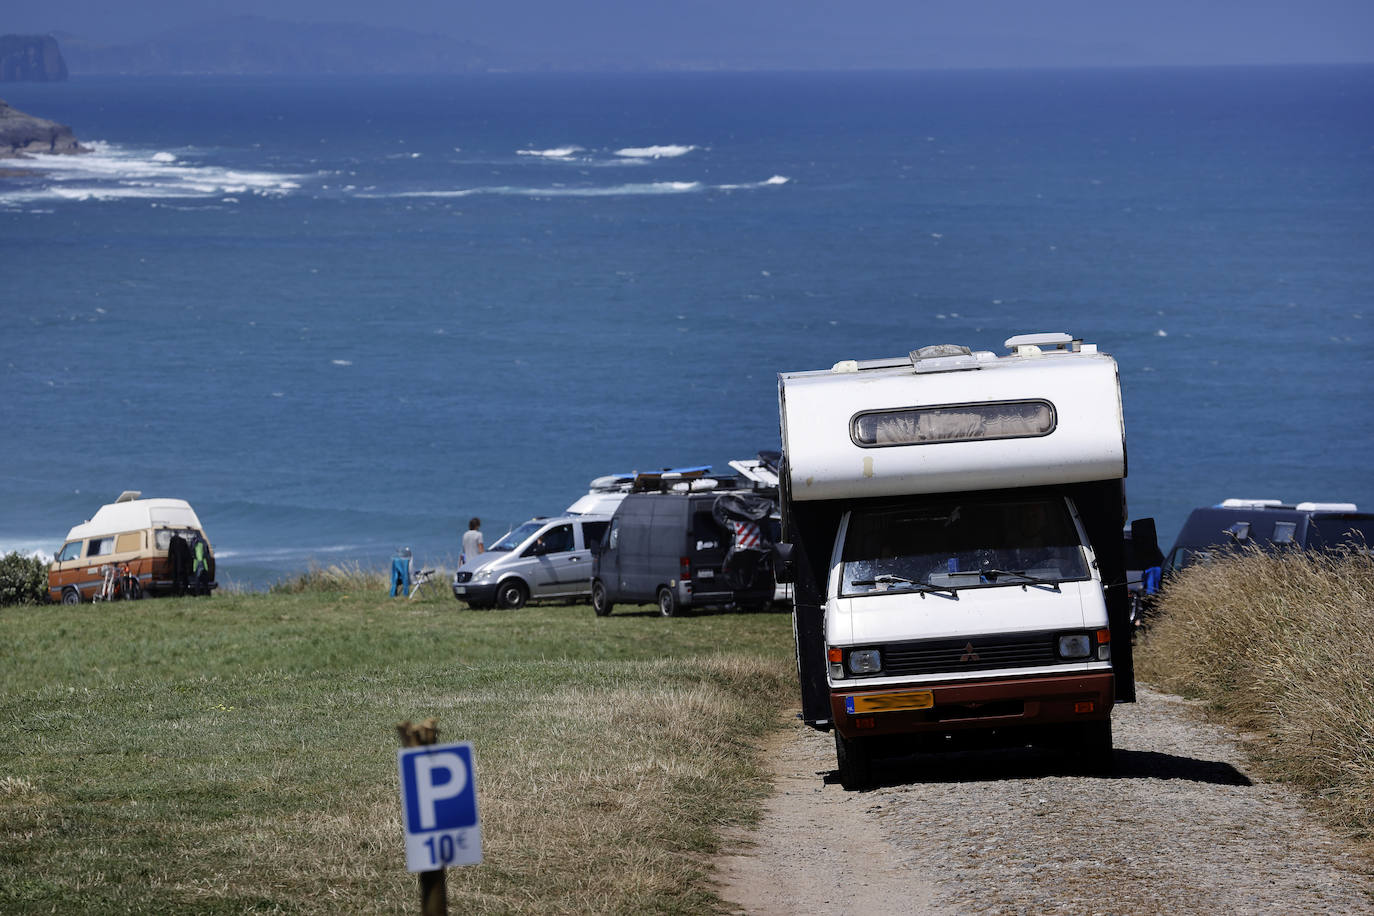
(1327, 507)
(1234, 503)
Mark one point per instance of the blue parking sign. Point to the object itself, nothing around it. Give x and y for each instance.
(439, 806)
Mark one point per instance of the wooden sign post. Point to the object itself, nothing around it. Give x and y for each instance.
(433, 890)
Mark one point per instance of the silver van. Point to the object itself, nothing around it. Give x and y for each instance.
(543, 558)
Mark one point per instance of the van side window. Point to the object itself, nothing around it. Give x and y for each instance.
(99, 547)
(555, 540)
(614, 539)
(592, 533)
(1284, 531)
(128, 543)
(69, 551)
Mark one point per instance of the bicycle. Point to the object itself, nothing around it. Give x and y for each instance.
(119, 584)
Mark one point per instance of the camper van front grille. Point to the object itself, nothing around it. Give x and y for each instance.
(943, 656)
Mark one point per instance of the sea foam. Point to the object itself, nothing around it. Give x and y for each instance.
(560, 152)
(109, 172)
(670, 151)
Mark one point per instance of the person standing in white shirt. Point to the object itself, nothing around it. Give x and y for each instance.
(472, 541)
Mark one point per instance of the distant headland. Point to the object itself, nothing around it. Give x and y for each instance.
(22, 133)
(32, 58)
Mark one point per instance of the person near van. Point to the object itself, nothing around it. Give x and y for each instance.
(472, 541)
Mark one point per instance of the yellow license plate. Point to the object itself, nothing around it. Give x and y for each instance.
(890, 702)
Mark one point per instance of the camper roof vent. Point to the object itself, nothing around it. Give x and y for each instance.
(1250, 503)
(129, 496)
(1035, 344)
(943, 358)
(1327, 507)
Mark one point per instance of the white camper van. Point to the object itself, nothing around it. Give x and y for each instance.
(134, 547)
(952, 525)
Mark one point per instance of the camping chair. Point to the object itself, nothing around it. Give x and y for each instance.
(423, 577)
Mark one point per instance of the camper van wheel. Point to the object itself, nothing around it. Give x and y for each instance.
(71, 596)
(601, 604)
(512, 595)
(855, 759)
(667, 602)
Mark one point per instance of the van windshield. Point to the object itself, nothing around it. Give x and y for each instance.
(960, 544)
(513, 539)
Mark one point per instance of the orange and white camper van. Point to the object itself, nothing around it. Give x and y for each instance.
(134, 547)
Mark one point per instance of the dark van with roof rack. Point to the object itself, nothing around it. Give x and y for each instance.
(687, 549)
(1269, 525)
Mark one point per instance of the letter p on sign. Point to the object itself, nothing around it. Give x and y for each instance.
(439, 806)
(438, 777)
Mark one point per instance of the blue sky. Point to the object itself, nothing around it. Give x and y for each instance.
(801, 33)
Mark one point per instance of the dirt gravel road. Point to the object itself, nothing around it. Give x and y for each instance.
(1181, 828)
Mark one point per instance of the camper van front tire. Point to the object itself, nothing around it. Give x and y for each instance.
(855, 759)
(71, 596)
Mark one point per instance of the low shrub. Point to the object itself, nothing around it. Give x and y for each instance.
(1280, 647)
(23, 580)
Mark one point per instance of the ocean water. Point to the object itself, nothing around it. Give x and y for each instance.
(343, 316)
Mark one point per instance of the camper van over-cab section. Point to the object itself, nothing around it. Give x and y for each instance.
(952, 524)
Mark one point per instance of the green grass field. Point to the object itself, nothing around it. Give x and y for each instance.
(237, 753)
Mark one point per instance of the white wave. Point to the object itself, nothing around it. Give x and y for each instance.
(110, 172)
(621, 190)
(279, 553)
(40, 549)
(560, 152)
(341, 362)
(775, 181)
(671, 151)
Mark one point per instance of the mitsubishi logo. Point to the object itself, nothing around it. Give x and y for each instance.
(969, 655)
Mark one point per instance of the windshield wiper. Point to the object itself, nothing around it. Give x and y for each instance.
(912, 584)
(992, 574)
(886, 579)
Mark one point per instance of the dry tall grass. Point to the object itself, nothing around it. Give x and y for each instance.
(1282, 647)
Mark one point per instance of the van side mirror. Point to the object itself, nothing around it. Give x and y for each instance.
(1146, 542)
(783, 569)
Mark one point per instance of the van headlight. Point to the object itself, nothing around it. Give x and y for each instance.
(482, 575)
(1075, 645)
(865, 661)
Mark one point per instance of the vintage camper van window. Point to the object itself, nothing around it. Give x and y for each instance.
(99, 547)
(950, 544)
(952, 423)
(163, 537)
(70, 551)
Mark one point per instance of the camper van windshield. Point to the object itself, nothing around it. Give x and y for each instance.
(513, 539)
(960, 544)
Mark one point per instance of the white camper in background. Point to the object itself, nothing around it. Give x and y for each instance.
(952, 524)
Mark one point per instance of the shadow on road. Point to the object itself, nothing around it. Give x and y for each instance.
(1032, 763)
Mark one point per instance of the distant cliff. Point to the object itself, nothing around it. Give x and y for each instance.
(31, 57)
(23, 133)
